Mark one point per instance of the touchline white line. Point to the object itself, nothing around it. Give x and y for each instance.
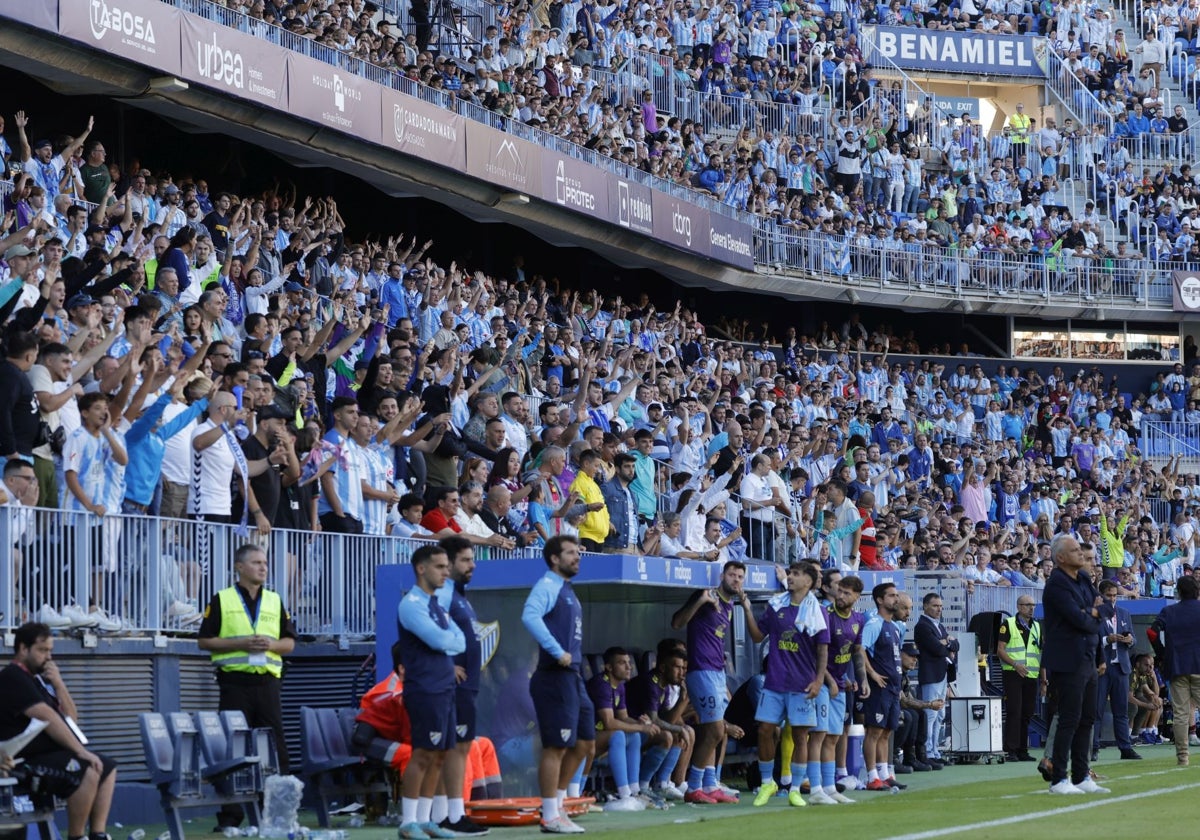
(1093, 802)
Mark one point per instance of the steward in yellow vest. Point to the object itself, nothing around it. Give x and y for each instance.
(1019, 648)
(247, 630)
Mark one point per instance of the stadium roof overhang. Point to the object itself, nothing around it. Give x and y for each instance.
(73, 69)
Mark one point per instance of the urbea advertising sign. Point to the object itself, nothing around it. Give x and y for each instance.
(145, 31)
(240, 64)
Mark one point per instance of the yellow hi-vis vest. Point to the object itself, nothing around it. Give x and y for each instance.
(1029, 655)
(235, 624)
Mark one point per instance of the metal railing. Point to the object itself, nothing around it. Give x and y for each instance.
(157, 573)
(913, 264)
(1168, 439)
(1074, 95)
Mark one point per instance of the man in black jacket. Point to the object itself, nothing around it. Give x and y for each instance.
(1070, 652)
(937, 649)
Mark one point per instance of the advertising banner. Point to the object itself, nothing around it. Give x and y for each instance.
(632, 204)
(680, 224)
(40, 15)
(731, 241)
(1185, 291)
(330, 96)
(145, 31)
(958, 52)
(504, 160)
(424, 130)
(571, 183)
(232, 61)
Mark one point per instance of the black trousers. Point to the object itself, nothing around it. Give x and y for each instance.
(911, 733)
(257, 697)
(1074, 694)
(1020, 698)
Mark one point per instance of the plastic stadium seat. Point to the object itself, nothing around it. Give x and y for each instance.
(333, 772)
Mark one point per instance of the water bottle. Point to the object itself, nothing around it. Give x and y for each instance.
(250, 831)
(356, 822)
(240, 429)
(231, 831)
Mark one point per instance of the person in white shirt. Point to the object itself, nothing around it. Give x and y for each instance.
(472, 524)
(759, 501)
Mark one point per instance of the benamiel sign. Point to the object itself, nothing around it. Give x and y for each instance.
(958, 52)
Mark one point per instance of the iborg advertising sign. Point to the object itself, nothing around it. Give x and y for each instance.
(731, 241)
(426, 131)
(146, 31)
(575, 185)
(504, 160)
(240, 64)
(680, 224)
(333, 97)
(632, 204)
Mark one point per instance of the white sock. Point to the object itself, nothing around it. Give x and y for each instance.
(842, 772)
(872, 776)
(784, 781)
(457, 809)
(424, 808)
(881, 769)
(891, 770)
(831, 789)
(440, 810)
(562, 797)
(408, 811)
(623, 791)
(573, 789)
(549, 810)
(635, 788)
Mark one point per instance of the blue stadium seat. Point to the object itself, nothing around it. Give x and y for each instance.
(334, 773)
(259, 743)
(226, 766)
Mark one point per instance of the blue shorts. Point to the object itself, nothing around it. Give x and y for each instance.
(882, 710)
(565, 713)
(431, 717)
(464, 714)
(708, 693)
(831, 712)
(793, 706)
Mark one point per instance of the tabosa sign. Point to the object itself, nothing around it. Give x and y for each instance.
(104, 19)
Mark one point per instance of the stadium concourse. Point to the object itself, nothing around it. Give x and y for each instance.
(189, 364)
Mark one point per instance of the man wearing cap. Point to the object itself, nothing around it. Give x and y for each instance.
(39, 159)
(915, 714)
(1019, 648)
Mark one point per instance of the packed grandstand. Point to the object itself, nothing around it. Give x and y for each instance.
(189, 365)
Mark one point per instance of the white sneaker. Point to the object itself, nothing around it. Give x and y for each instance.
(669, 791)
(52, 618)
(79, 617)
(1064, 787)
(840, 798)
(625, 803)
(849, 783)
(736, 794)
(1194, 740)
(180, 608)
(820, 797)
(561, 825)
(106, 623)
(1088, 786)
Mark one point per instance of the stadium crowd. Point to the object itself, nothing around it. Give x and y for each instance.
(775, 110)
(181, 351)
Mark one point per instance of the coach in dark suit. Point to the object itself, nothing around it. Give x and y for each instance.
(937, 650)
(1113, 684)
(1070, 647)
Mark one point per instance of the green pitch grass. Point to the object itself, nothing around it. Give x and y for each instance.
(958, 802)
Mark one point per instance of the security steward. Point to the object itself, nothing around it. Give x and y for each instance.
(247, 630)
(1019, 647)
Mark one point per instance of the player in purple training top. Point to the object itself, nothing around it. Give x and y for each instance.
(618, 734)
(845, 674)
(797, 648)
(707, 616)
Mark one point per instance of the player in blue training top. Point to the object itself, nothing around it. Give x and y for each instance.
(881, 710)
(467, 665)
(707, 616)
(797, 650)
(565, 715)
(845, 675)
(428, 642)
